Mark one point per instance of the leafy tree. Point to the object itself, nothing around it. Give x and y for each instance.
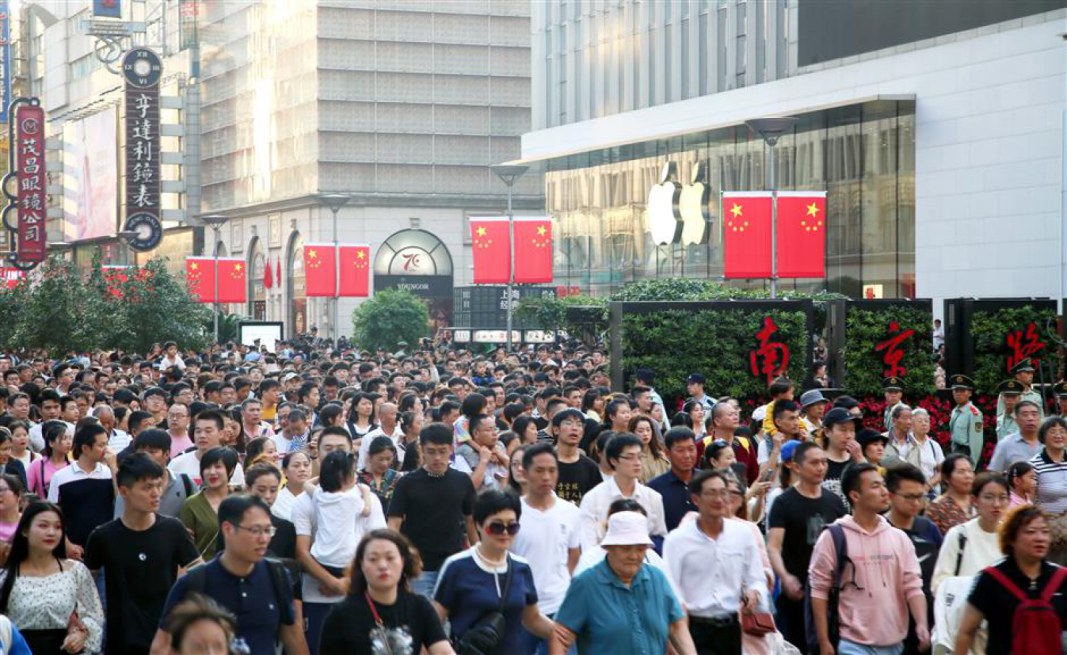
(389, 317)
(62, 310)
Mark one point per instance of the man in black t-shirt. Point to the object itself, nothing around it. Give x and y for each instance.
(433, 506)
(840, 428)
(142, 554)
(577, 473)
(797, 518)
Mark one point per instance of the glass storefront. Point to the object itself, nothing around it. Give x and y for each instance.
(863, 155)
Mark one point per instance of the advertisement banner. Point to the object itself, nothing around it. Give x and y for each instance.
(31, 177)
(91, 180)
(142, 69)
(5, 59)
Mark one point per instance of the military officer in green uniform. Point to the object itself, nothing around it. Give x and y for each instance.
(965, 424)
(1059, 391)
(1023, 372)
(893, 388)
(1010, 392)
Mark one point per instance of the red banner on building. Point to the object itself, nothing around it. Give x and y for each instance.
(32, 180)
(355, 271)
(801, 234)
(746, 237)
(491, 249)
(533, 250)
(320, 272)
(232, 280)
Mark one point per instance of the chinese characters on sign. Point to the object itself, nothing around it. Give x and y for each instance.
(1022, 344)
(31, 178)
(892, 349)
(142, 69)
(771, 359)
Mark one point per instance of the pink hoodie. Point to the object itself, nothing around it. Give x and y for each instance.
(873, 610)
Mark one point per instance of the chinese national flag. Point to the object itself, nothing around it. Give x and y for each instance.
(319, 272)
(533, 250)
(268, 276)
(199, 273)
(355, 271)
(746, 224)
(801, 234)
(492, 251)
(233, 286)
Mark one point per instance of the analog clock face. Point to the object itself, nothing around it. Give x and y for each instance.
(142, 68)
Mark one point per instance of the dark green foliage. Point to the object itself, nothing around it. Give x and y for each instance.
(717, 343)
(389, 317)
(864, 367)
(62, 310)
(989, 329)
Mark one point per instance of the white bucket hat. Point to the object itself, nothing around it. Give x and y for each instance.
(627, 529)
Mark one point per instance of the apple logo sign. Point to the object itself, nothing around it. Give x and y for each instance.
(693, 206)
(662, 207)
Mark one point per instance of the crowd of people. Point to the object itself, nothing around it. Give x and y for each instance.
(335, 501)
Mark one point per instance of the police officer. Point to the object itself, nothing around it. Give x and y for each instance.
(694, 384)
(1009, 395)
(1023, 373)
(893, 387)
(1059, 391)
(966, 423)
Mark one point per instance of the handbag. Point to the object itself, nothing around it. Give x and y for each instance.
(483, 637)
(757, 623)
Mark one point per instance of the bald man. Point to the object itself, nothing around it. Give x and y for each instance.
(387, 427)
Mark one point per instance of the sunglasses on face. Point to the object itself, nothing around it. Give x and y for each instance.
(497, 528)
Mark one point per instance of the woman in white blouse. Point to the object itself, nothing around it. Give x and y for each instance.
(297, 468)
(52, 600)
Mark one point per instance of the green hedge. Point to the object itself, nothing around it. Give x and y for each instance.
(989, 330)
(864, 367)
(717, 343)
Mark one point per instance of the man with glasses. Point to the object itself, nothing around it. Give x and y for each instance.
(482, 456)
(434, 506)
(178, 429)
(623, 454)
(578, 474)
(258, 592)
(907, 490)
(142, 554)
(712, 563)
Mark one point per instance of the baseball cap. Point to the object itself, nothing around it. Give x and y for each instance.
(839, 415)
(788, 448)
(695, 378)
(868, 436)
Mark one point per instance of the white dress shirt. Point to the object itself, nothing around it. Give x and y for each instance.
(595, 506)
(711, 573)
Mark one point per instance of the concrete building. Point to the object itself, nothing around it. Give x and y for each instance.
(938, 135)
(402, 106)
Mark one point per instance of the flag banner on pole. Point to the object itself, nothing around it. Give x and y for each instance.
(277, 271)
(491, 247)
(320, 274)
(268, 275)
(233, 280)
(802, 234)
(746, 242)
(355, 271)
(199, 273)
(533, 250)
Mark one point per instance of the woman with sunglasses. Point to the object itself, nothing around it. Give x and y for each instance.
(484, 580)
(380, 613)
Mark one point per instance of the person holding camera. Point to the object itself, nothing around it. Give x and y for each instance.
(487, 594)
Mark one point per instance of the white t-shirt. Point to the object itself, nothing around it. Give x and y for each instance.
(337, 537)
(189, 464)
(303, 518)
(364, 446)
(283, 504)
(545, 540)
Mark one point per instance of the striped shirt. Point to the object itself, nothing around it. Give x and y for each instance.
(1051, 483)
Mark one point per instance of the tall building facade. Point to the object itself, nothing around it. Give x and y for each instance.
(400, 105)
(937, 134)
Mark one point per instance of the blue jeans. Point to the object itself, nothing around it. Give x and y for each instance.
(425, 583)
(851, 648)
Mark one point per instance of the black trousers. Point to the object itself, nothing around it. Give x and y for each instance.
(790, 620)
(716, 637)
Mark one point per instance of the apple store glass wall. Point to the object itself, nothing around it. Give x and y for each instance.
(862, 155)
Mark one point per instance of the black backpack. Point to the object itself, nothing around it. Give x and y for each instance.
(833, 620)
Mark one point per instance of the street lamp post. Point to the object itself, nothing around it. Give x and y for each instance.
(335, 201)
(215, 222)
(509, 174)
(770, 129)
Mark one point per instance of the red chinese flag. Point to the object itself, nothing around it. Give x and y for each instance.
(746, 224)
(277, 271)
(199, 273)
(355, 271)
(319, 271)
(492, 252)
(801, 234)
(533, 250)
(233, 283)
(268, 275)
